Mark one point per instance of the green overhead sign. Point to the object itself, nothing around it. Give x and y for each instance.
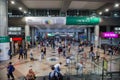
(82, 20)
(4, 39)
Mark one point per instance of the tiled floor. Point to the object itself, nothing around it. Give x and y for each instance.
(41, 68)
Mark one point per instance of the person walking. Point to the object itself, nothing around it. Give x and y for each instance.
(44, 50)
(21, 53)
(25, 53)
(31, 55)
(10, 70)
(54, 75)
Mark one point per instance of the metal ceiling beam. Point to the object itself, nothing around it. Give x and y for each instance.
(111, 1)
(65, 5)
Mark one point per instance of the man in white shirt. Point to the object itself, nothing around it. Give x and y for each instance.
(57, 66)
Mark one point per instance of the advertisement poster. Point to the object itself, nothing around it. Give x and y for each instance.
(4, 51)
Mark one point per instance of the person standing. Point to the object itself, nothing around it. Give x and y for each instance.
(21, 53)
(25, 53)
(44, 50)
(10, 70)
(64, 51)
(67, 61)
(79, 67)
(10, 53)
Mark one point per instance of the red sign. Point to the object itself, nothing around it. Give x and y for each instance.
(17, 39)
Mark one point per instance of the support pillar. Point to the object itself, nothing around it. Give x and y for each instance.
(76, 35)
(85, 34)
(96, 30)
(4, 39)
(33, 36)
(27, 35)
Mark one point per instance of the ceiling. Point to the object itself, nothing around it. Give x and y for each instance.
(42, 3)
(58, 4)
(64, 5)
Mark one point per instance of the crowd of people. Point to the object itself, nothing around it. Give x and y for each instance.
(63, 48)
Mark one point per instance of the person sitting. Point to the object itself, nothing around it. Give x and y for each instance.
(31, 55)
(30, 75)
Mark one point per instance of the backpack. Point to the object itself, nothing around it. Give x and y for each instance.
(13, 68)
(60, 76)
(54, 77)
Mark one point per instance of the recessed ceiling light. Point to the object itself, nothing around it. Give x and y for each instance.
(116, 5)
(115, 14)
(20, 8)
(106, 10)
(100, 13)
(12, 2)
(25, 12)
(29, 13)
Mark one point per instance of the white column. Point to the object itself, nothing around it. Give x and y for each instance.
(85, 32)
(96, 30)
(4, 39)
(76, 35)
(27, 30)
(27, 35)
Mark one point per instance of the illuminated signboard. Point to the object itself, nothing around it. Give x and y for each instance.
(109, 35)
(17, 39)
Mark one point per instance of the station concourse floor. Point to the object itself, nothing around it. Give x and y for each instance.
(41, 68)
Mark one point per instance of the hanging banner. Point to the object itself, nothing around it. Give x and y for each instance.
(4, 39)
(45, 20)
(4, 47)
(84, 20)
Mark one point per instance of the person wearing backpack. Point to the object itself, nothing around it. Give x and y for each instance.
(10, 70)
(10, 53)
(54, 75)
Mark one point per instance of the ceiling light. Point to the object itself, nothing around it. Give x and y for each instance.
(12, 2)
(106, 10)
(116, 5)
(25, 12)
(115, 14)
(20, 8)
(100, 13)
(29, 13)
